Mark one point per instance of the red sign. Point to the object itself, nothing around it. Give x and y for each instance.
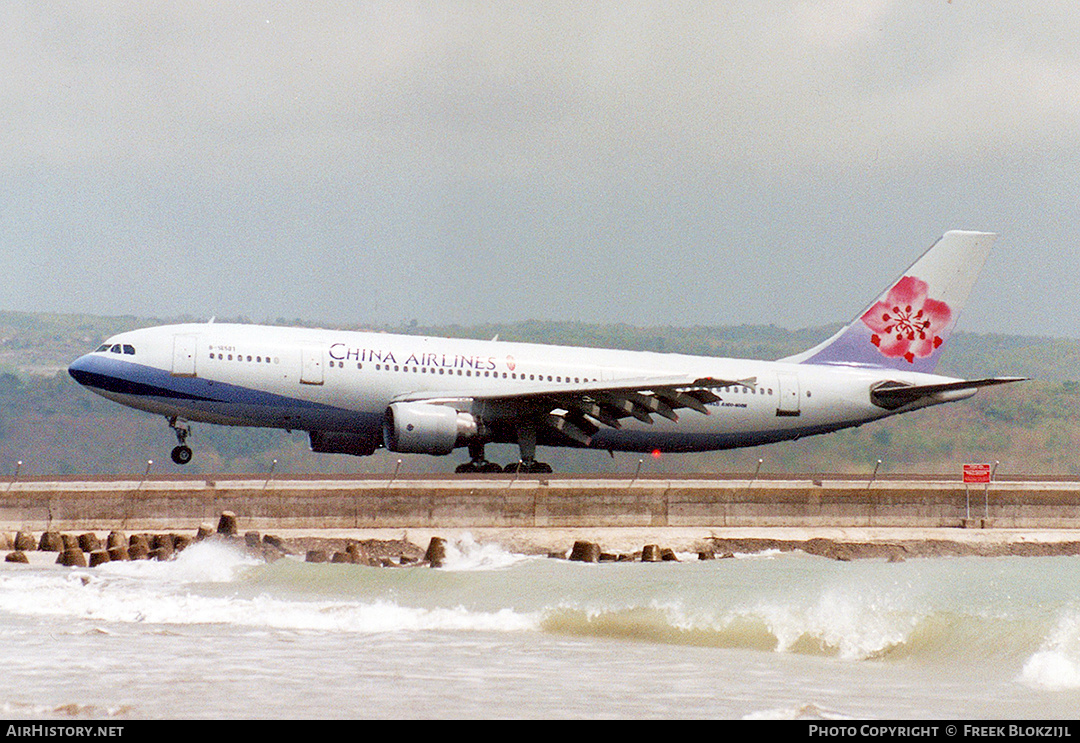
(977, 473)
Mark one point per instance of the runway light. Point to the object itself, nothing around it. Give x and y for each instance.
(655, 453)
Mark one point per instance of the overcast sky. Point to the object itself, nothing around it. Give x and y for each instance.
(645, 162)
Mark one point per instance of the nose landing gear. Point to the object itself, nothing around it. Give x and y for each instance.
(181, 454)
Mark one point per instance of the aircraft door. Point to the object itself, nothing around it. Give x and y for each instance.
(788, 391)
(311, 370)
(183, 359)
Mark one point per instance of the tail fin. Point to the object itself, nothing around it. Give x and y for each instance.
(908, 325)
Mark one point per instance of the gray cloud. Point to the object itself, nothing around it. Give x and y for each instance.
(644, 162)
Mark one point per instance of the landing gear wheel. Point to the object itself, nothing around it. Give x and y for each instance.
(477, 462)
(529, 468)
(477, 467)
(181, 454)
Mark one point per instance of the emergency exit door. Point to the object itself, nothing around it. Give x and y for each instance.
(183, 359)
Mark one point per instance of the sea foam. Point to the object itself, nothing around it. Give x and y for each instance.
(1056, 665)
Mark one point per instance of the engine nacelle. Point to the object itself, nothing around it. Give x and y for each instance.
(423, 428)
(339, 442)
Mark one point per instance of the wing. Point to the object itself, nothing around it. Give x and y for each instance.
(579, 410)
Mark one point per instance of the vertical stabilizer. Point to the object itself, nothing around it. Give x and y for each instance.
(909, 324)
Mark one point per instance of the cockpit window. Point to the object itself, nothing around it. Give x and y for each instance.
(125, 348)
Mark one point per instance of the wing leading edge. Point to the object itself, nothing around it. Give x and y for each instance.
(579, 410)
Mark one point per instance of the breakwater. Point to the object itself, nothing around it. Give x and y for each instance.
(537, 502)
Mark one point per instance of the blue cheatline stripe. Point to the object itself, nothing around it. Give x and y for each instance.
(128, 378)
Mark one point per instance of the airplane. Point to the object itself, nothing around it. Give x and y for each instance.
(355, 392)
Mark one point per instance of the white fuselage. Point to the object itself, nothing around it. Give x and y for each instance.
(341, 381)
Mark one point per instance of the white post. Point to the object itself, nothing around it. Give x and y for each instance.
(149, 464)
(270, 476)
(18, 466)
(756, 471)
(873, 475)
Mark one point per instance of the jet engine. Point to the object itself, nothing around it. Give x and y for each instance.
(423, 428)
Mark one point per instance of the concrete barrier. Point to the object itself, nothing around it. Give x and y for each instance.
(50, 541)
(533, 502)
(583, 551)
(435, 555)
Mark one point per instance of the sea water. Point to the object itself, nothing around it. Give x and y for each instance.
(216, 633)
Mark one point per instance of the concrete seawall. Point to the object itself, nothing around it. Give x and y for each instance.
(535, 502)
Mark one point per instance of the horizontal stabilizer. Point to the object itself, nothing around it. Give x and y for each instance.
(893, 395)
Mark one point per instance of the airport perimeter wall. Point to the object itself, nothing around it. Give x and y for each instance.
(535, 502)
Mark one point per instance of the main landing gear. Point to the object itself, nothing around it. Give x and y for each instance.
(477, 463)
(530, 468)
(527, 464)
(485, 466)
(181, 454)
(526, 436)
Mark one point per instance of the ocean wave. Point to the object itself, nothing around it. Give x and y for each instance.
(466, 554)
(218, 584)
(844, 630)
(209, 561)
(808, 711)
(1055, 666)
(101, 602)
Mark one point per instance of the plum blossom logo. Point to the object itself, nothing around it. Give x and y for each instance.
(907, 322)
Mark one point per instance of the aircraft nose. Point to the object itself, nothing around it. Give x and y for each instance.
(81, 370)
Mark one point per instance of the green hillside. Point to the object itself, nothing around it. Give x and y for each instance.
(55, 427)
